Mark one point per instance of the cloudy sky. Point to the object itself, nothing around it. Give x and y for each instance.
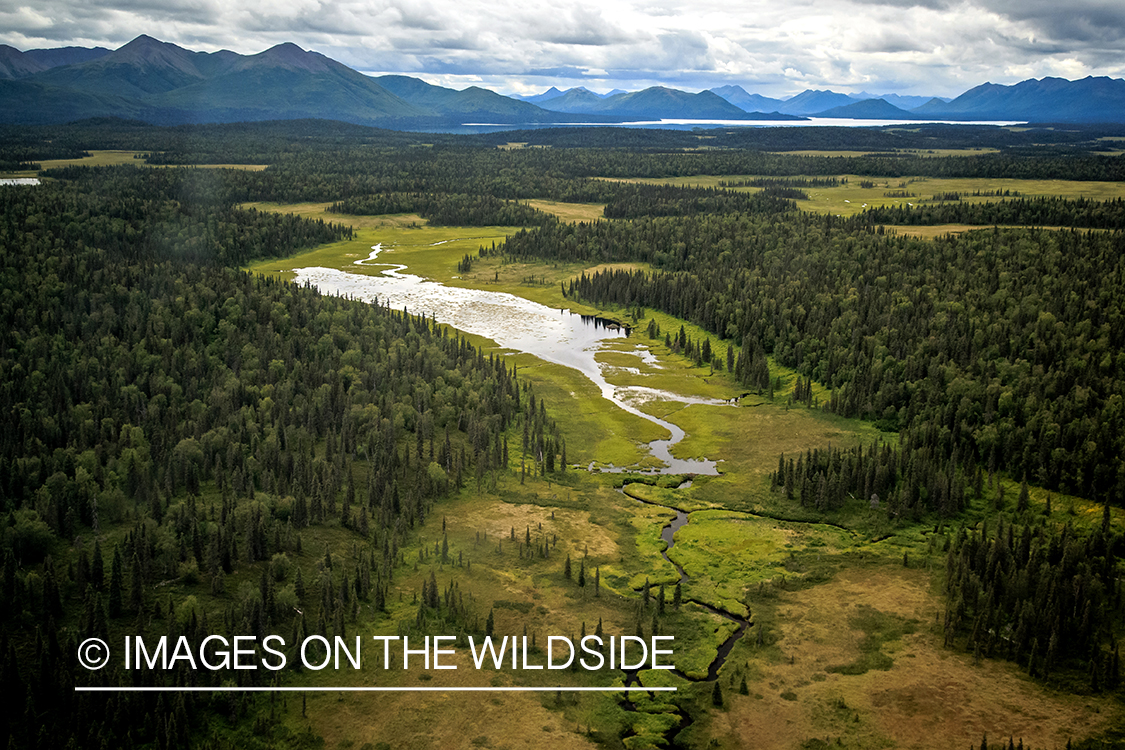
(920, 47)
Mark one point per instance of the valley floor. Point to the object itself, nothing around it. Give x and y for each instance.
(845, 644)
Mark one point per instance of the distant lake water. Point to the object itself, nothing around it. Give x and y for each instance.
(678, 124)
(19, 181)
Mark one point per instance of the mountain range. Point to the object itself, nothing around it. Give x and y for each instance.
(162, 83)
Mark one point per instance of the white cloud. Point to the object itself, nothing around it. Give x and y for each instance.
(938, 47)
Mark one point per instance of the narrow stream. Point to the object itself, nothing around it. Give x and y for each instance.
(554, 335)
(668, 534)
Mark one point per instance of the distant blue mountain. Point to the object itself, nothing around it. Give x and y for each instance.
(551, 93)
(1044, 100)
(162, 83)
(737, 96)
(810, 102)
(471, 102)
(869, 109)
(902, 102)
(15, 64)
(159, 82)
(577, 100)
(652, 103)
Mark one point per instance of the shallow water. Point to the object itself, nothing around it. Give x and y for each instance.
(552, 334)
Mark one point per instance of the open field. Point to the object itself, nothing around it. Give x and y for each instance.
(857, 662)
(114, 158)
(570, 212)
(850, 651)
(320, 211)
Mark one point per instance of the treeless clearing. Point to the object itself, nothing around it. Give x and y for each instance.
(570, 212)
(930, 697)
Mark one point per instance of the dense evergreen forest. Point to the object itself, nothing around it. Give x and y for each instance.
(272, 142)
(201, 419)
(1045, 600)
(1080, 213)
(1005, 347)
(164, 416)
(631, 201)
(565, 175)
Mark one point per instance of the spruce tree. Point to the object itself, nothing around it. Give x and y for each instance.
(136, 586)
(115, 583)
(97, 567)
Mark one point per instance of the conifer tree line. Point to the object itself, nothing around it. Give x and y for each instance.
(1044, 596)
(148, 215)
(631, 201)
(445, 209)
(1006, 346)
(579, 156)
(321, 168)
(907, 481)
(786, 182)
(446, 182)
(1051, 211)
(165, 418)
(1070, 149)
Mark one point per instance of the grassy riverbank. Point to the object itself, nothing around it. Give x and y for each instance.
(846, 641)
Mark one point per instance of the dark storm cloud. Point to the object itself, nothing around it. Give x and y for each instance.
(1077, 21)
(894, 41)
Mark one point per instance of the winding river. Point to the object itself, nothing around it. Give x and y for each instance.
(554, 335)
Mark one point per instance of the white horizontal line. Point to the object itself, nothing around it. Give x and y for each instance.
(369, 689)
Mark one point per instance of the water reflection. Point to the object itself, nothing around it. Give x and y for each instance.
(554, 335)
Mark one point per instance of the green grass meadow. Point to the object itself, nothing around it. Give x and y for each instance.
(839, 626)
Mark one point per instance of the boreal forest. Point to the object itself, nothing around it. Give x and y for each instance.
(907, 366)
